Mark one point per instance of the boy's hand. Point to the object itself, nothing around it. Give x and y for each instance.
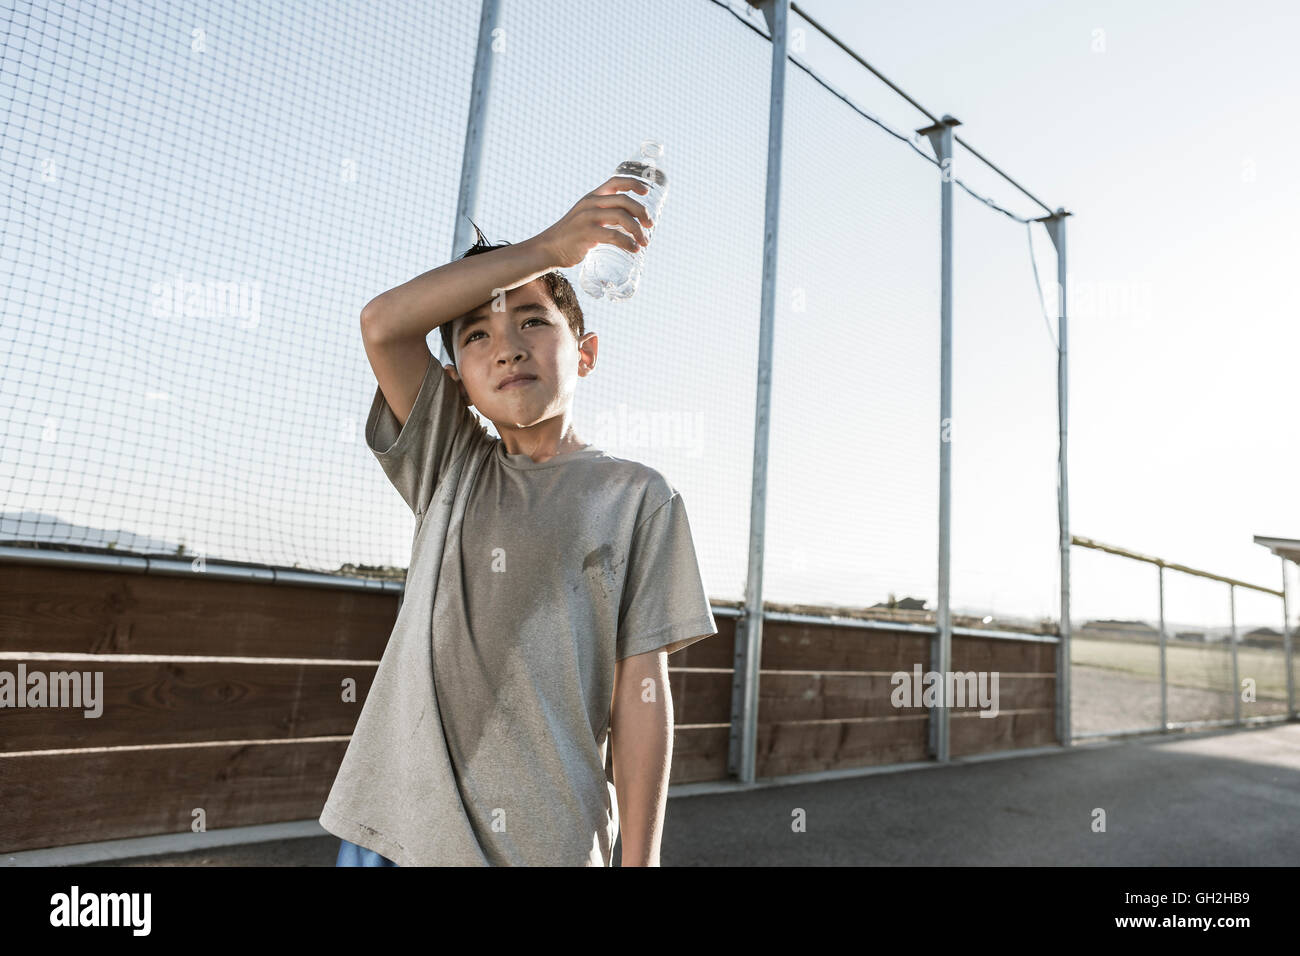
(586, 225)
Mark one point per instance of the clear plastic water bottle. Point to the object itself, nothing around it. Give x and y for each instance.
(610, 270)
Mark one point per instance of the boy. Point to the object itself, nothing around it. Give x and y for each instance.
(548, 580)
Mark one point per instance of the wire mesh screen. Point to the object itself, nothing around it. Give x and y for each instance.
(1199, 653)
(852, 512)
(1291, 577)
(1114, 643)
(675, 376)
(203, 196)
(1005, 526)
(1261, 661)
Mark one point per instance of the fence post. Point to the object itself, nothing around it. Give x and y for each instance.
(741, 762)
(1236, 679)
(1164, 683)
(1055, 224)
(1287, 649)
(940, 135)
(467, 201)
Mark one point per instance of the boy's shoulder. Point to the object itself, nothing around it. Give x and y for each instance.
(637, 481)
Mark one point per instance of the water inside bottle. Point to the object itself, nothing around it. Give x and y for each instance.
(610, 270)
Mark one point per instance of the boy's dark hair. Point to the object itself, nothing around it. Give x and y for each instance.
(557, 287)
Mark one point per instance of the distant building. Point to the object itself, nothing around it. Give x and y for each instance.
(1113, 630)
(1264, 637)
(906, 604)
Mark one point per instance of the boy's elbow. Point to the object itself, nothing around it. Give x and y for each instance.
(371, 320)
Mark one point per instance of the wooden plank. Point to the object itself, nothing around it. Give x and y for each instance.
(699, 754)
(972, 734)
(701, 698)
(74, 610)
(835, 745)
(170, 702)
(786, 697)
(56, 800)
(998, 654)
(788, 738)
(716, 651)
(174, 702)
(1016, 692)
(789, 646)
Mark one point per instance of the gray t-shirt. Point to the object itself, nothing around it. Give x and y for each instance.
(483, 738)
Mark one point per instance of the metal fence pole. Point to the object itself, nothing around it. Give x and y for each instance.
(1055, 224)
(1164, 681)
(1236, 678)
(1287, 649)
(741, 758)
(940, 135)
(467, 201)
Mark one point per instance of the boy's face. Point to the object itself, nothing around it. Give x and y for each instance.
(530, 337)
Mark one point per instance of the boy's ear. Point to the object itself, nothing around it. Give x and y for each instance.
(588, 346)
(455, 377)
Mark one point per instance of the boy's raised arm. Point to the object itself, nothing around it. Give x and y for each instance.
(395, 323)
(414, 309)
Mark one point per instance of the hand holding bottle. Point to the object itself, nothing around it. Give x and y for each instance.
(589, 223)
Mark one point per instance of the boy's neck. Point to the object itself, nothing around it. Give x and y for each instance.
(543, 441)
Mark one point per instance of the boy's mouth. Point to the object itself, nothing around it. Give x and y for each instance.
(516, 381)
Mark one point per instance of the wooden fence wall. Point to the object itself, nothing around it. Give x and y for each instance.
(222, 703)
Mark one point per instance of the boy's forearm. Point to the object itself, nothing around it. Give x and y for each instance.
(641, 732)
(415, 308)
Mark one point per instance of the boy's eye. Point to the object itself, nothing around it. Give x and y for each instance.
(470, 338)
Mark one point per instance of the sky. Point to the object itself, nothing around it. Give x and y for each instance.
(306, 157)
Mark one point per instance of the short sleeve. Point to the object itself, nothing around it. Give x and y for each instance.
(663, 603)
(439, 429)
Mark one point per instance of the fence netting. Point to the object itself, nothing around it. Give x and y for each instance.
(1114, 643)
(203, 197)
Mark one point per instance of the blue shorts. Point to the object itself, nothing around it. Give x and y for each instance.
(352, 855)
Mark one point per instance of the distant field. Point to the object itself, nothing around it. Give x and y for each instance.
(1188, 665)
